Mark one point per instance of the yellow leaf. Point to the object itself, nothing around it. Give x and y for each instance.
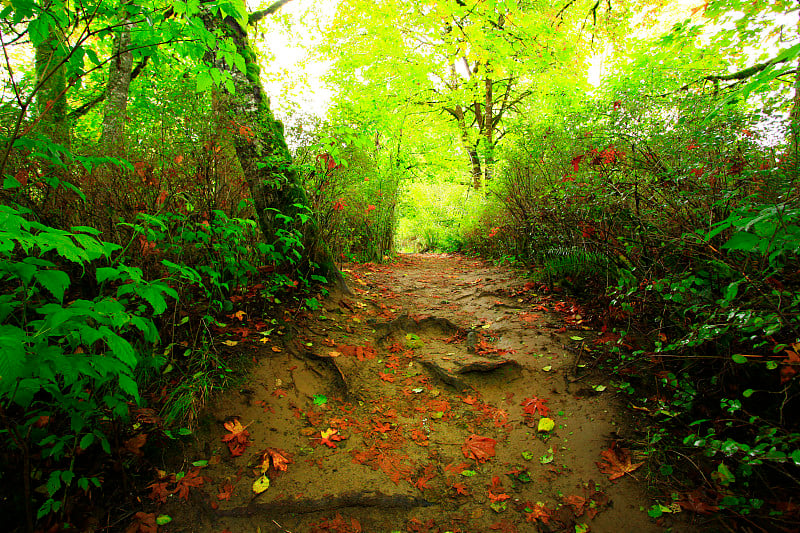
(230, 343)
(261, 484)
(240, 315)
(546, 424)
(276, 349)
(328, 432)
(334, 354)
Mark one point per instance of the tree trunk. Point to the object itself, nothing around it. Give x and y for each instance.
(51, 86)
(794, 117)
(119, 80)
(469, 147)
(266, 162)
(488, 127)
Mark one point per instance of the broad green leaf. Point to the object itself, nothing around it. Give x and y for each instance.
(54, 281)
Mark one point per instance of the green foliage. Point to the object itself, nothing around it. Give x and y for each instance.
(70, 366)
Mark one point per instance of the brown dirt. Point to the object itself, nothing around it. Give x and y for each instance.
(428, 351)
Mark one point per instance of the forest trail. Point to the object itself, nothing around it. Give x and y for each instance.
(438, 375)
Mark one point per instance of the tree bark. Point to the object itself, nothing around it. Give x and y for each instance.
(278, 195)
(119, 80)
(51, 86)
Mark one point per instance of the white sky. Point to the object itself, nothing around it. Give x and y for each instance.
(290, 77)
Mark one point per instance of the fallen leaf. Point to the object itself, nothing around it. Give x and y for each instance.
(135, 443)
(534, 405)
(328, 437)
(496, 491)
(537, 512)
(143, 523)
(545, 425)
(479, 448)
(389, 378)
(230, 343)
(261, 484)
(237, 438)
(192, 479)
(619, 463)
(461, 489)
(225, 490)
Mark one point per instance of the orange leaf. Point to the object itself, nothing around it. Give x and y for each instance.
(237, 438)
(225, 490)
(135, 443)
(618, 464)
(328, 437)
(479, 448)
(533, 405)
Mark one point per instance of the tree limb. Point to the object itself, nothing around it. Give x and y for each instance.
(258, 15)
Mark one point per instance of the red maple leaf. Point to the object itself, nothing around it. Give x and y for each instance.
(479, 448)
(427, 475)
(533, 405)
(192, 479)
(382, 427)
(455, 469)
(619, 463)
(143, 523)
(159, 491)
(237, 438)
(274, 459)
(470, 400)
(496, 490)
(576, 161)
(537, 512)
(389, 378)
(225, 490)
(461, 489)
(328, 437)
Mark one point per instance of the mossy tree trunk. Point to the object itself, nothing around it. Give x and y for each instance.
(119, 80)
(258, 137)
(51, 88)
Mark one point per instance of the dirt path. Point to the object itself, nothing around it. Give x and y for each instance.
(436, 375)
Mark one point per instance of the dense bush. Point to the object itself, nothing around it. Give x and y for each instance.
(689, 231)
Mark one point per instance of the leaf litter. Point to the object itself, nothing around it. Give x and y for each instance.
(352, 427)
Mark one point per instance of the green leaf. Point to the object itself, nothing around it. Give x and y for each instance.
(128, 385)
(204, 81)
(739, 358)
(163, 519)
(744, 241)
(54, 281)
(86, 441)
(747, 393)
(238, 60)
(320, 399)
